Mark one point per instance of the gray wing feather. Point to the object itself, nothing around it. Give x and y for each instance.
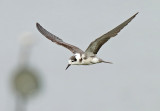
(57, 40)
(94, 47)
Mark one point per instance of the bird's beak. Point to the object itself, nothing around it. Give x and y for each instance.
(68, 66)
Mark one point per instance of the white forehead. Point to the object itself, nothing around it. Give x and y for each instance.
(69, 61)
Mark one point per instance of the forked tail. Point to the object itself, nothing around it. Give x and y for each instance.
(107, 62)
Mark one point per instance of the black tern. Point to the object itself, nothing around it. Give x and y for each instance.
(88, 56)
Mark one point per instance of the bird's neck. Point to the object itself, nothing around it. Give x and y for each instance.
(78, 56)
(81, 57)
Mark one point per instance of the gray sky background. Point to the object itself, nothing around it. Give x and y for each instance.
(132, 83)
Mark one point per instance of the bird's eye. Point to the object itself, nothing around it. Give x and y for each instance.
(74, 60)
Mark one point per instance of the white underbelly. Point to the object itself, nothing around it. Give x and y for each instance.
(90, 61)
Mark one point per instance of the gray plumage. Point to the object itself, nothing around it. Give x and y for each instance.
(57, 40)
(94, 46)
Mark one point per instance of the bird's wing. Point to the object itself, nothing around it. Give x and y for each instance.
(57, 40)
(94, 47)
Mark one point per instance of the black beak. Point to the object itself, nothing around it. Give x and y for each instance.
(68, 66)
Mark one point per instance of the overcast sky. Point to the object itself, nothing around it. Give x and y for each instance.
(131, 83)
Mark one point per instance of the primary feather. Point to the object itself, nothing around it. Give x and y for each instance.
(94, 47)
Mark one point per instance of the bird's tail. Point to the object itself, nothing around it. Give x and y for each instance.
(107, 62)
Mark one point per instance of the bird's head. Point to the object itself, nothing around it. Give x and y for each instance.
(72, 61)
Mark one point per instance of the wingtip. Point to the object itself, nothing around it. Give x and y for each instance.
(37, 24)
(136, 14)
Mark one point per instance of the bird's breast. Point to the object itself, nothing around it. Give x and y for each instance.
(90, 60)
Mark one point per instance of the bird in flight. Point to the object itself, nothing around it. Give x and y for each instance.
(88, 56)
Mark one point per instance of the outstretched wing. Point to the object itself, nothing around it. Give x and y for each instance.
(94, 47)
(57, 40)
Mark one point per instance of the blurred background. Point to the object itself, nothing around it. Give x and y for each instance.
(32, 68)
